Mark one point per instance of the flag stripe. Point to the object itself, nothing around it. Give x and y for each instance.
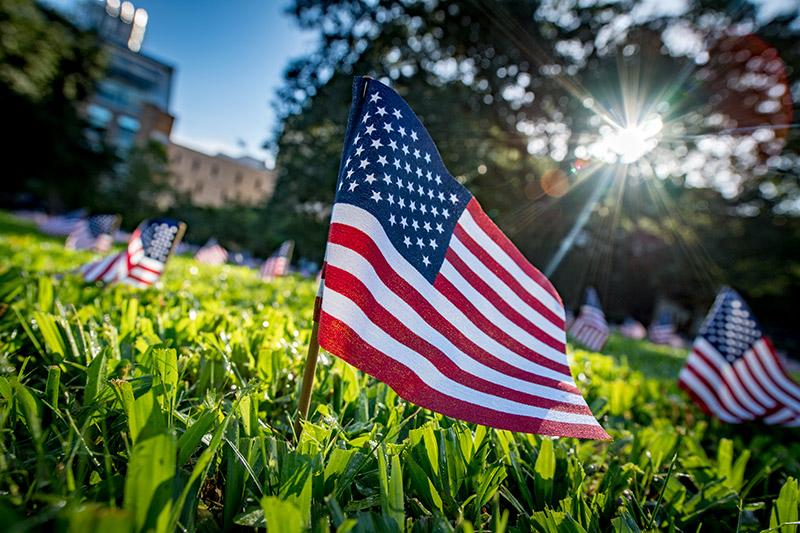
(703, 364)
(478, 224)
(695, 383)
(415, 334)
(357, 350)
(728, 377)
(348, 245)
(499, 276)
(753, 386)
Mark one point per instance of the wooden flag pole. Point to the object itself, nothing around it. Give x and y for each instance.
(310, 368)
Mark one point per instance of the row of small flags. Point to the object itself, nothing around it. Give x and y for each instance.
(733, 371)
(422, 291)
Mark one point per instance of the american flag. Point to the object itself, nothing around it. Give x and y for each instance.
(590, 328)
(143, 261)
(662, 331)
(94, 233)
(212, 254)
(277, 264)
(733, 371)
(632, 329)
(424, 292)
(65, 224)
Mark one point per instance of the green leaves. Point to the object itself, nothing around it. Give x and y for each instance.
(149, 482)
(785, 511)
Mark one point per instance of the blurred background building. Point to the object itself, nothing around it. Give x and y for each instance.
(215, 181)
(132, 102)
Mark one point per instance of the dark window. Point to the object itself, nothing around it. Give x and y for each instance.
(195, 164)
(238, 178)
(258, 184)
(214, 169)
(198, 188)
(177, 159)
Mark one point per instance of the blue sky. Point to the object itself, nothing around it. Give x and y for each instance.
(229, 58)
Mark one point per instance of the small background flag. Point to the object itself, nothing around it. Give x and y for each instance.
(662, 331)
(733, 371)
(144, 260)
(632, 329)
(590, 328)
(212, 253)
(58, 225)
(94, 233)
(277, 264)
(422, 291)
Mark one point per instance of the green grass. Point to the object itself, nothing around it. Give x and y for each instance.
(171, 409)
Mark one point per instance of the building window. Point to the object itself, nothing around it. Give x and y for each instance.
(198, 189)
(177, 159)
(99, 116)
(195, 164)
(258, 184)
(238, 178)
(128, 123)
(214, 169)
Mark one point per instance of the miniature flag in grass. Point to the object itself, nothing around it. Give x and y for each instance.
(733, 371)
(425, 293)
(632, 329)
(94, 233)
(144, 260)
(662, 331)
(277, 264)
(212, 253)
(62, 224)
(590, 328)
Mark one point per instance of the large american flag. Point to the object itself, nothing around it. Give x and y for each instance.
(94, 233)
(144, 260)
(733, 371)
(590, 328)
(277, 264)
(212, 254)
(425, 293)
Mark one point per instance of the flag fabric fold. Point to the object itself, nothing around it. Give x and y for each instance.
(590, 328)
(663, 331)
(632, 329)
(733, 371)
(143, 261)
(425, 293)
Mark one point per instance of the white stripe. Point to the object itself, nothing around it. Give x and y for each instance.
(730, 376)
(722, 392)
(348, 312)
(397, 307)
(780, 417)
(116, 270)
(498, 254)
(752, 386)
(143, 274)
(699, 388)
(96, 268)
(778, 376)
(505, 292)
(349, 260)
(491, 314)
(766, 381)
(364, 221)
(152, 264)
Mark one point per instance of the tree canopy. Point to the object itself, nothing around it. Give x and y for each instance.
(529, 102)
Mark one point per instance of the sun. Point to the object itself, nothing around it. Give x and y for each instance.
(628, 143)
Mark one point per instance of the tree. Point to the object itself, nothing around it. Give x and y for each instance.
(531, 101)
(47, 68)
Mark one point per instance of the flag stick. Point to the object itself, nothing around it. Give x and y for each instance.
(311, 365)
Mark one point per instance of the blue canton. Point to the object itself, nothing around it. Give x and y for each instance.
(391, 168)
(102, 225)
(157, 238)
(730, 327)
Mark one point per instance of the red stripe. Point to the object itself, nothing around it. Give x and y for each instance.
(770, 349)
(140, 280)
(337, 338)
(483, 256)
(770, 385)
(696, 397)
(105, 270)
(494, 233)
(498, 302)
(712, 390)
(735, 398)
(350, 286)
(360, 243)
